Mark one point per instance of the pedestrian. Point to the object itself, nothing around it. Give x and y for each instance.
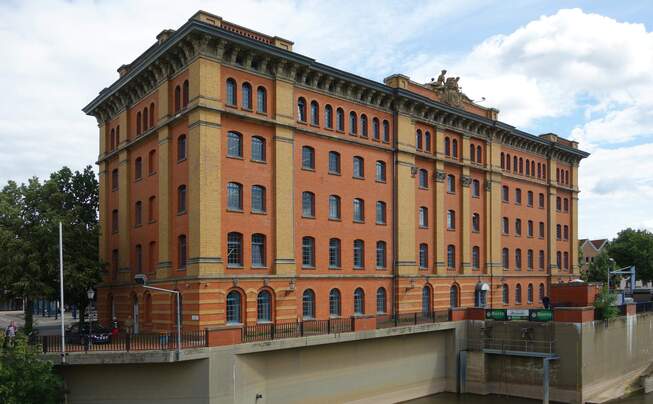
(129, 324)
(114, 327)
(10, 334)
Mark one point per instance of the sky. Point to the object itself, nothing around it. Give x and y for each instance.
(579, 69)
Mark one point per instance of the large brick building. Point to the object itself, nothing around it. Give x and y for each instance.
(266, 186)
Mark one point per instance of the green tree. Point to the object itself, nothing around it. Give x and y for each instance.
(597, 270)
(634, 247)
(26, 378)
(29, 238)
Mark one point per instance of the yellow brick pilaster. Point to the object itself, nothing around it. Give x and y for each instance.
(493, 208)
(204, 173)
(104, 229)
(124, 221)
(466, 229)
(284, 255)
(573, 231)
(406, 173)
(163, 208)
(103, 139)
(551, 217)
(440, 220)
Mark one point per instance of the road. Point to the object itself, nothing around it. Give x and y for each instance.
(44, 325)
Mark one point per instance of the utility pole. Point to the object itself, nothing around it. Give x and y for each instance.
(63, 310)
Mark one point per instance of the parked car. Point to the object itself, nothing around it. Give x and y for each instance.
(97, 334)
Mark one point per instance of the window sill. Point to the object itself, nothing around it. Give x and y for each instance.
(308, 169)
(234, 106)
(423, 227)
(235, 210)
(340, 131)
(302, 122)
(308, 267)
(139, 179)
(358, 221)
(247, 109)
(380, 181)
(383, 224)
(314, 125)
(235, 157)
(136, 226)
(260, 267)
(358, 268)
(334, 173)
(452, 229)
(258, 161)
(183, 212)
(335, 219)
(357, 177)
(258, 212)
(263, 113)
(181, 160)
(308, 217)
(381, 268)
(151, 173)
(151, 221)
(234, 266)
(335, 268)
(425, 188)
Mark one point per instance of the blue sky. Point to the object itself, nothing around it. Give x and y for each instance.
(580, 69)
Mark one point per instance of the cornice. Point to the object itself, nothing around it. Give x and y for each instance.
(198, 39)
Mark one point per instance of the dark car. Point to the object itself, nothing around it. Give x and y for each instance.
(95, 334)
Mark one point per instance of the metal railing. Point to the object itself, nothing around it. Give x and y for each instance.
(122, 342)
(398, 320)
(293, 329)
(513, 345)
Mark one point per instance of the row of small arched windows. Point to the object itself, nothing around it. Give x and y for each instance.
(181, 96)
(505, 295)
(423, 256)
(562, 176)
(246, 101)
(505, 259)
(517, 165)
(335, 261)
(145, 119)
(427, 298)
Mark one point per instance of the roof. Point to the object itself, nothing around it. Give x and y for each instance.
(596, 244)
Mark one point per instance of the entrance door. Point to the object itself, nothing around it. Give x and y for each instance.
(135, 315)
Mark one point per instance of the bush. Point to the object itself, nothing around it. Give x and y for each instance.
(25, 377)
(604, 304)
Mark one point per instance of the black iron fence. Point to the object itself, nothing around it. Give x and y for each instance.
(295, 328)
(122, 342)
(403, 319)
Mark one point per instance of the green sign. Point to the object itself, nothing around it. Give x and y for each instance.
(540, 315)
(496, 314)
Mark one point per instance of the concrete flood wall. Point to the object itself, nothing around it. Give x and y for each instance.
(376, 366)
(599, 360)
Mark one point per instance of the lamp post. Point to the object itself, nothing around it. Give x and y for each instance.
(612, 266)
(141, 279)
(90, 293)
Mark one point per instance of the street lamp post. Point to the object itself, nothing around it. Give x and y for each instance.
(612, 266)
(141, 279)
(90, 293)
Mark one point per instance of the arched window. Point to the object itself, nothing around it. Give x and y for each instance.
(381, 260)
(521, 165)
(308, 157)
(308, 204)
(234, 249)
(518, 259)
(380, 171)
(423, 256)
(177, 99)
(334, 303)
(151, 162)
(380, 212)
(451, 184)
(258, 250)
(146, 119)
(453, 296)
(261, 100)
(451, 256)
(541, 291)
(308, 252)
(386, 131)
(234, 196)
(418, 139)
(138, 213)
(472, 154)
(503, 160)
(380, 301)
(533, 168)
(505, 258)
(334, 162)
(528, 167)
(138, 123)
(508, 162)
(353, 123)
(315, 113)
(476, 222)
(517, 227)
(138, 258)
(264, 306)
(247, 96)
(151, 114)
(529, 259)
(359, 302)
(359, 254)
(518, 294)
(258, 148)
(515, 164)
(426, 300)
(454, 148)
(451, 219)
(138, 168)
(427, 141)
(340, 119)
(182, 251)
(234, 144)
(447, 146)
(376, 133)
(359, 167)
(328, 116)
(181, 199)
(359, 210)
(185, 92)
(181, 147)
(541, 260)
(258, 198)
(479, 155)
(529, 294)
(476, 257)
(476, 188)
(334, 207)
(113, 139)
(334, 253)
(505, 294)
(233, 307)
(363, 125)
(231, 92)
(301, 109)
(308, 304)
(423, 217)
(423, 178)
